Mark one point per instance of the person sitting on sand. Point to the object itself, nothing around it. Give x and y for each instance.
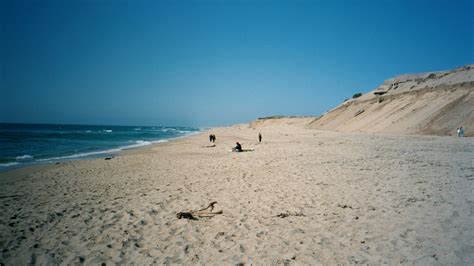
(238, 147)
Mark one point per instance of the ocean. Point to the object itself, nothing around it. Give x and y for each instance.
(28, 144)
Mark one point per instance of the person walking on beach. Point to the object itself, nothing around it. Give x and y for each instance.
(259, 137)
(210, 138)
(213, 138)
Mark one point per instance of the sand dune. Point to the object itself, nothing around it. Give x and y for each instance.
(434, 103)
(302, 196)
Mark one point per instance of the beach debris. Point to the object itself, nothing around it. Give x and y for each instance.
(286, 214)
(209, 146)
(108, 158)
(344, 206)
(185, 215)
(202, 213)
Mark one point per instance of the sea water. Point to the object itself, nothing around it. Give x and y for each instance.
(27, 144)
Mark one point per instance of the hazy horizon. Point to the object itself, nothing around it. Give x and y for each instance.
(214, 63)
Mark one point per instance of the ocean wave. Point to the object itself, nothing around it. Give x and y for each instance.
(78, 155)
(24, 157)
(8, 164)
(138, 143)
(161, 141)
(160, 130)
(142, 142)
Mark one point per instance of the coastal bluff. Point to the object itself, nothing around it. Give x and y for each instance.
(432, 103)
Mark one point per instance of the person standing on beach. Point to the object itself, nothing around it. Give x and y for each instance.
(210, 138)
(259, 137)
(213, 138)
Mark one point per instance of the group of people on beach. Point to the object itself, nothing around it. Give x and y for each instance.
(460, 131)
(212, 138)
(238, 146)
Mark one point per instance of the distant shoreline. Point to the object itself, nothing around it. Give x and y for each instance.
(99, 154)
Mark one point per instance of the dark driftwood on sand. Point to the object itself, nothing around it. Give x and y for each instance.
(287, 214)
(202, 213)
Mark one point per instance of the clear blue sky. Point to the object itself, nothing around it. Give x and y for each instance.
(207, 63)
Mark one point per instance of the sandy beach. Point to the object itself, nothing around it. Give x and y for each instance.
(302, 196)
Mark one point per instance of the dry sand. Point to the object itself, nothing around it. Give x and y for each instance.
(345, 198)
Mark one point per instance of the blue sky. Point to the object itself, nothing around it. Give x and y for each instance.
(208, 63)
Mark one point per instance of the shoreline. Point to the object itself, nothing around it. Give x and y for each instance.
(42, 166)
(98, 155)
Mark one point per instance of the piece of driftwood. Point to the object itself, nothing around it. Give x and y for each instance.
(344, 206)
(209, 146)
(202, 213)
(286, 214)
(185, 215)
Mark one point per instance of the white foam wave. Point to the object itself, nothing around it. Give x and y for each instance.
(8, 164)
(74, 156)
(88, 131)
(134, 144)
(24, 157)
(142, 142)
(138, 143)
(161, 129)
(161, 141)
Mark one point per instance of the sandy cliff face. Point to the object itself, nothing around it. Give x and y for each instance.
(430, 103)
